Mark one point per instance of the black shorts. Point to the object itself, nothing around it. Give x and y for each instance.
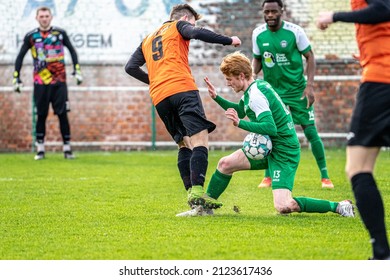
(370, 123)
(183, 115)
(56, 94)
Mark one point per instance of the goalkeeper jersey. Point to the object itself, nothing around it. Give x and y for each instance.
(281, 53)
(47, 50)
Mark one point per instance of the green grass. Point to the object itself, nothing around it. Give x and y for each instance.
(113, 206)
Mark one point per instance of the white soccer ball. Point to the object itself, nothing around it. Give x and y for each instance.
(257, 146)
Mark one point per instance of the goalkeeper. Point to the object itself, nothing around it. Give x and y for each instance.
(47, 49)
(267, 115)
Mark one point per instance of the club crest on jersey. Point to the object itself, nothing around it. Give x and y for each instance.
(269, 59)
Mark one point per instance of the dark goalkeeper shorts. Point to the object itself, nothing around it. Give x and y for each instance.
(56, 94)
(370, 123)
(183, 115)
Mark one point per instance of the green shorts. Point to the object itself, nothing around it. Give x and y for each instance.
(257, 164)
(282, 164)
(300, 114)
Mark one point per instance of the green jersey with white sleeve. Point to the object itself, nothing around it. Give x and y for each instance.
(281, 53)
(261, 100)
(267, 114)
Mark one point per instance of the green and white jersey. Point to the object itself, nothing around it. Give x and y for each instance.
(281, 57)
(260, 101)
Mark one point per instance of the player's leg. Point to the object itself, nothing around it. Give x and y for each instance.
(42, 101)
(318, 150)
(284, 203)
(226, 167)
(283, 164)
(60, 103)
(183, 161)
(65, 133)
(192, 116)
(183, 115)
(168, 114)
(370, 129)
(306, 118)
(199, 165)
(360, 164)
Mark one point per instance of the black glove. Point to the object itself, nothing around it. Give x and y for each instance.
(77, 74)
(17, 82)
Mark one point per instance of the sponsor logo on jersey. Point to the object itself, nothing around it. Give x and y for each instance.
(269, 59)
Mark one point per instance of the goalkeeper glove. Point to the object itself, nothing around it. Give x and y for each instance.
(77, 74)
(17, 82)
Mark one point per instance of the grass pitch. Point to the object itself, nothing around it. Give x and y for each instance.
(122, 206)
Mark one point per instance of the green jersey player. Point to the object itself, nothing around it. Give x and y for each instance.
(267, 115)
(278, 47)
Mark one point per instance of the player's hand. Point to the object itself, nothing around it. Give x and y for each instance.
(210, 87)
(77, 74)
(232, 115)
(356, 56)
(309, 94)
(17, 82)
(236, 41)
(324, 20)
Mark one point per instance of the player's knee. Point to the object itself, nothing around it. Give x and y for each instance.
(351, 171)
(224, 165)
(281, 207)
(311, 133)
(286, 207)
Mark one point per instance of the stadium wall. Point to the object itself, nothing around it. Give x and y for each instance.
(112, 111)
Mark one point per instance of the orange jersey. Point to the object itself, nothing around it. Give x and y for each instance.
(166, 56)
(374, 45)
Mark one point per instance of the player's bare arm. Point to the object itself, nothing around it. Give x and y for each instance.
(310, 71)
(256, 65)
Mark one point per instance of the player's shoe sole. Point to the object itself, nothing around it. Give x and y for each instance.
(196, 196)
(205, 201)
(198, 210)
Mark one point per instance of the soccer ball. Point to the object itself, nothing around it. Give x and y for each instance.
(257, 146)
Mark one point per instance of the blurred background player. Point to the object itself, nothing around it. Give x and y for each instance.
(47, 49)
(267, 115)
(174, 92)
(370, 122)
(278, 47)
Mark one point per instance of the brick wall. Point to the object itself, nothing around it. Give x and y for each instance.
(117, 115)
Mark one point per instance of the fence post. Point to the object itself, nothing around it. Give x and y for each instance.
(153, 128)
